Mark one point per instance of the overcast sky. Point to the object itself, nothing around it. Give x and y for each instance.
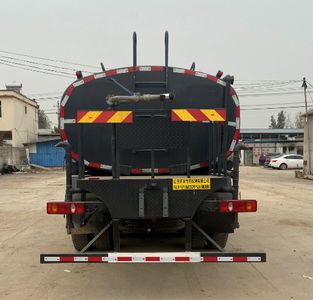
(252, 40)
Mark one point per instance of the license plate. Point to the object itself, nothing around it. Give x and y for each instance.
(183, 184)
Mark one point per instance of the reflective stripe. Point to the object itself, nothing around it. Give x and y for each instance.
(225, 258)
(200, 74)
(119, 117)
(64, 100)
(236, 100)
(144, 69)
(183, 115)
(66, 121)
(155, 257)
(80, 258)
(232, 146)
(89, 117)
(221, 82)
(106, 167)
(212, 115)
(178, 70)
(100, 75)
(78, 83)
(51, 258)
(121, 71)
(252, 259)
(237, 123)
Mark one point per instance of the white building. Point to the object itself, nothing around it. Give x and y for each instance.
(308, 145)
(18, 119)
(18, 125)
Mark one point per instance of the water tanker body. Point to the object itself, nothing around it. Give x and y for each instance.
(148, 151)
(199, 97)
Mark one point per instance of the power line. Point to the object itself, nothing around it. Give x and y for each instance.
(270, 93)
(267, 104)
(35, 67)
(32, 70)
(46, 93)
(49, 59)
(41, 64)
(270, 108)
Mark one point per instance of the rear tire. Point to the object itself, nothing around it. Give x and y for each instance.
(80, 241)
(220, 239)
(283, 166)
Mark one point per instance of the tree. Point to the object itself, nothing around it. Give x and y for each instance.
(281, 119)
(280, 122)
(43, 120)
(299, 120)
(273, 124)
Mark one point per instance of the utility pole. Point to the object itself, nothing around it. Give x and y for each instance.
(307, 125)
(58, 112)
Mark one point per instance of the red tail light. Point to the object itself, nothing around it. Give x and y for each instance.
(231, 206)
(273, 160)
(65, 208)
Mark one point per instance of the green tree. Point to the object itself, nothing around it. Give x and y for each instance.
(43, 120)
(273, 124)
(280, 122)
(281, 119)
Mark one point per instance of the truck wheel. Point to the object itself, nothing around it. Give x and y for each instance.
(80, 241)
(220, 239)
(283, 167)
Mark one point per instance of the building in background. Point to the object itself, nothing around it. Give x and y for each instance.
(18, 124)
(44, 153)
(308, 144)
(264, 141)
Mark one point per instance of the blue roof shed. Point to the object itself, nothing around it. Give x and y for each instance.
(44, 153)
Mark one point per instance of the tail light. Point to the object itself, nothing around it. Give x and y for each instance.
(65, 208)
(273, 160)
(233, 206)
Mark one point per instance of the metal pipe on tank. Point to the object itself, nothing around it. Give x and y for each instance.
(116, 100)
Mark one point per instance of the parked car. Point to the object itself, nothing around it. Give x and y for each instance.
(287, 161)
(269, 156)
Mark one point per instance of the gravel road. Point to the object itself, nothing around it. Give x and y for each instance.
(283, 227)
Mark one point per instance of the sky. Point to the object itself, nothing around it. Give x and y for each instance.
(266, 45)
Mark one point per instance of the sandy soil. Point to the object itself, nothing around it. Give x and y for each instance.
(283, 227)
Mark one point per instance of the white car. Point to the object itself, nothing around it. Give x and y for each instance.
(287, 161)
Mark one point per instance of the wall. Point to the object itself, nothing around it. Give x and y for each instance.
(12, 156)
(307, 169)
(46, 154)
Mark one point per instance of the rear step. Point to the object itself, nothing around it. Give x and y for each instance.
(153, 257)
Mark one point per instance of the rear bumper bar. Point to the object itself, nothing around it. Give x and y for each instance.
(153, 257)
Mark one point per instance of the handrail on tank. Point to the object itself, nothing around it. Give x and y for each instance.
(166, 41)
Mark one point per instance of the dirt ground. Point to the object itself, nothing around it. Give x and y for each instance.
(283, 227)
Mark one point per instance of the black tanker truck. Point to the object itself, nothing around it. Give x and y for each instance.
(152, 154)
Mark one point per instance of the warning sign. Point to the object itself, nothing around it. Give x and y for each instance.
(191, 184)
